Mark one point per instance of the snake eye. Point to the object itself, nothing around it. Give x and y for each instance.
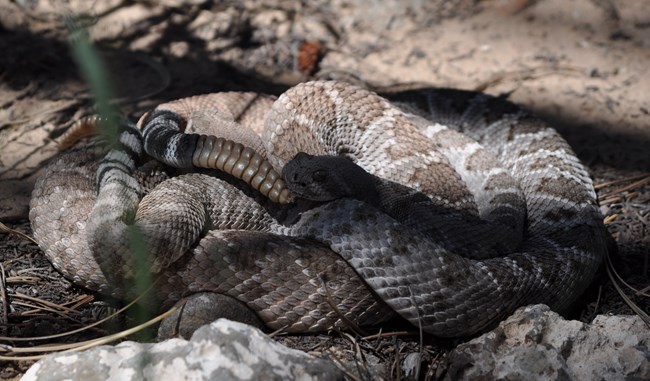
(319, 176)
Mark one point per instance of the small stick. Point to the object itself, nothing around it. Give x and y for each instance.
(618, 181)
(634, 185)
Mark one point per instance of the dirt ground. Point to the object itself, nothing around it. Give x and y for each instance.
(582, 65)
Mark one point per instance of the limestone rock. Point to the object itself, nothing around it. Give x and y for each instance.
(223, 350)
(537, 344)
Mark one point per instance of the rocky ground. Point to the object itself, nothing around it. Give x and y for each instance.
(579, 64)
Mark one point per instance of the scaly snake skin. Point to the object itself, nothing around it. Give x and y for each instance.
(515, 219)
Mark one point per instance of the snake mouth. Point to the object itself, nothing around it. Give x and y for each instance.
(325, 178)
(297, 176)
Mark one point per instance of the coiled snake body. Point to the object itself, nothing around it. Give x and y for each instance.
(459, 208)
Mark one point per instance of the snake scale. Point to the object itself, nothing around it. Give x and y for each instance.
(448, 208)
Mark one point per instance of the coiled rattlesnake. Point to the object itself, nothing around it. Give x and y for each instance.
(510, 218)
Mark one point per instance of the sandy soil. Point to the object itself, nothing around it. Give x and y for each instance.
(580, 64)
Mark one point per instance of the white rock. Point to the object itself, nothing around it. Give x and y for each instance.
(535, 343)
(223, 350)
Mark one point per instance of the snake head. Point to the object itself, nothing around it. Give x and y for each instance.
(326, 178)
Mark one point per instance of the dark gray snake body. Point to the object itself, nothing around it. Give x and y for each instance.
(520, 196)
